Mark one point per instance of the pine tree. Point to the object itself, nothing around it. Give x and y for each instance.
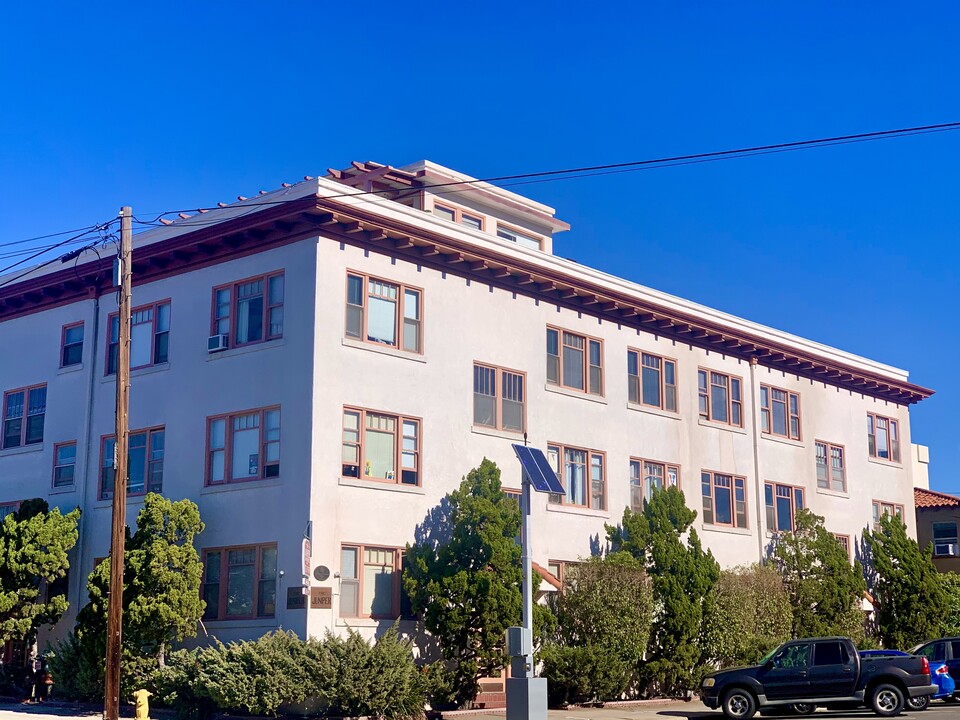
(161, 592)
(911, 600)
(34, 542)
(683, 576)
(464, 576)
(825, 590)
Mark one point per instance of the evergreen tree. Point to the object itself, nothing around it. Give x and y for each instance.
(161, 596)
(683, 576)
(34, 542)
(464, 576)
(911, 600)
(825, 590)
(750, 614)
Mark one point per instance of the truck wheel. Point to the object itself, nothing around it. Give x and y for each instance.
(919, 703)
(738, 704)
(886, 700)
(803, 708)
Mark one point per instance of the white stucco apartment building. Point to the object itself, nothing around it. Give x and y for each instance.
(329, 359)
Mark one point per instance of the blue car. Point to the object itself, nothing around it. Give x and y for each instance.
(939, 676)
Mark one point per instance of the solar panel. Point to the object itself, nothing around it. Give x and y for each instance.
(536, 467)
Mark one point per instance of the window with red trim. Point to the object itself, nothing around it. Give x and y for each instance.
(779, 412)
(144, 462)
(240, 583)
(883, 437)
(24, 412)
(720, 398)
(574, 361)
(384, 313)
(583, 475)
(64, 464)
(71, 345)
(243, 446)
(881, 508)
(149, 337)
(381, 446)
(782, 503)
(370, 582)
(647, 475)
(249, 311)
(724, 499)
(498, 398)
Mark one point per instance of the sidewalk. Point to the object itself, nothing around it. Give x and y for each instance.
(648, 710)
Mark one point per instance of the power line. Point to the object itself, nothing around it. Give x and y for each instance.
(612, 168)
(44, 237)
(44, 251)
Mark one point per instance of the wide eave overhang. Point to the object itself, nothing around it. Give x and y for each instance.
(360, 226)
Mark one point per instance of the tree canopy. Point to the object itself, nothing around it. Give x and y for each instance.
(911, 601)
(34, 542)
(464, 576)
(825, 589)
(683, 576)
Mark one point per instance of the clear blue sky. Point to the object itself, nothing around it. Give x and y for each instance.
(179, 105)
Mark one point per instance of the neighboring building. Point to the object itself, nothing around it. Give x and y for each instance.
(329, 359)
(937, 517)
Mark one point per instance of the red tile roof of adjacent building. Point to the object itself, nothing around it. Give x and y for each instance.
(923, 498)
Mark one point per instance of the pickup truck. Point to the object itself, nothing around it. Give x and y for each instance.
(818, 671)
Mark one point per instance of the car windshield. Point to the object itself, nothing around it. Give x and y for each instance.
(766, 658)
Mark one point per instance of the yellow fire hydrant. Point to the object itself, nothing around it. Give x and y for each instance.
(142, 705)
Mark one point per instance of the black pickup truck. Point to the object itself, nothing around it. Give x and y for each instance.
(818, 671)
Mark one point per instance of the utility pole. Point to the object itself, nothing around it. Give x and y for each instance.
(111, 703)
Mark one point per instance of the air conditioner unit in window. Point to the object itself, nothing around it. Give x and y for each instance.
(216, 343)
(945, 549)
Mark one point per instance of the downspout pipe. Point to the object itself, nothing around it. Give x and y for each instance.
(87, 433)
(754, 397)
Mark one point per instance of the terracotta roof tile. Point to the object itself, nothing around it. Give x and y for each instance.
(932, 499)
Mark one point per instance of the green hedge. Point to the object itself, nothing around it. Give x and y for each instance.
(334, 676)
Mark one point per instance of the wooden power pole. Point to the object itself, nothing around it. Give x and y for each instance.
(111, 704)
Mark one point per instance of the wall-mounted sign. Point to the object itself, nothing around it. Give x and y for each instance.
(321, 572)
(296, 600)
(307, 553)
(321, 598)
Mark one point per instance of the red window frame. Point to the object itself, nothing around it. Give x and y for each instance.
(15, 505)
(266, 333)
(64, 345)
(891, 427)
(638, 480)
(57, 465)
(880, 506)
(401, 448)
(151, 432)
(23, 416)
(499, 382)
(155, 358)
(588, 491)
(711, 480)
(734, 407)
(829, 454)
(400, 319)
(844, 541)
(396, 597)
(562, 343)
(638, 359)
(772, 492)
(222, 580)
(790, 400)
(267, 469)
